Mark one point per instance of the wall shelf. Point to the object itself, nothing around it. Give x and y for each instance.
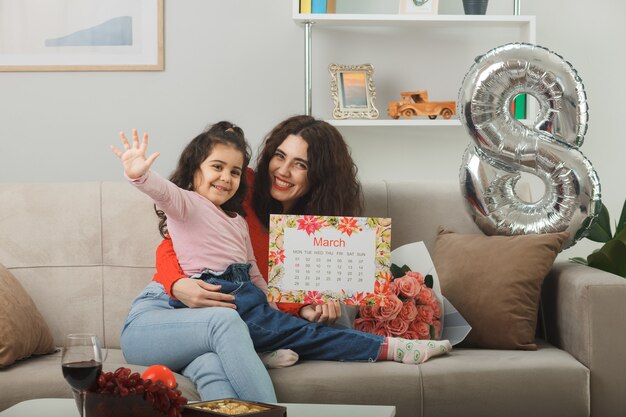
(526, 25)
(413, 20)
(394, 123)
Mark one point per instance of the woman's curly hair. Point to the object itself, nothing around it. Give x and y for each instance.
(334, 188)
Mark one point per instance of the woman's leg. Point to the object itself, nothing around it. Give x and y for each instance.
(182, 338)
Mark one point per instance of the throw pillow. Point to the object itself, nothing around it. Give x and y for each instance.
(23, 331)
(495, 283)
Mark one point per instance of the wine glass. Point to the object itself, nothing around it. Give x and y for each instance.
(81, 363)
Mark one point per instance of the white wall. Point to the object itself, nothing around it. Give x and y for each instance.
(242, 60)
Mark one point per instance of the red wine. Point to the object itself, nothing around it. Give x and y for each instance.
(81, 375)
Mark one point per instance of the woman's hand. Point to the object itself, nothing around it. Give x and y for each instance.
(197, 293)
(134, 158)
(322, 313)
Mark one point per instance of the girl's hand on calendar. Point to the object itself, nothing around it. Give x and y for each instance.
(322, 313)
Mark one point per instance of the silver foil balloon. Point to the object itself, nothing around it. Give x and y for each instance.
(503, 147)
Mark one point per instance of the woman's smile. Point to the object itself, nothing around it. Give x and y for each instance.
(281, 184)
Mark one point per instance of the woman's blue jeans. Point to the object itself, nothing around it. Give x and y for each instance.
(271, 329)
(211, 346)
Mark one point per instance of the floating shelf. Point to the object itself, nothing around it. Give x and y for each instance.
(394, 123)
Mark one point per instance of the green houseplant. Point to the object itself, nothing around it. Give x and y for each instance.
(611, 257)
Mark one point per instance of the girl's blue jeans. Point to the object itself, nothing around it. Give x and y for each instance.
(271, 329)
(211, 346)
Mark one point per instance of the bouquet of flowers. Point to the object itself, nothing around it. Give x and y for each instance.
(406, 306)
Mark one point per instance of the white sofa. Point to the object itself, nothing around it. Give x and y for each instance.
(84, 250)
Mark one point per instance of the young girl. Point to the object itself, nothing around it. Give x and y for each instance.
(202, 203)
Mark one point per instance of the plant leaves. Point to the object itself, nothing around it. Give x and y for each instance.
(432, 332)
(578, 260)
(397, 271)
(622, 220)
(600, 230)
(428, 280)
(610, 258)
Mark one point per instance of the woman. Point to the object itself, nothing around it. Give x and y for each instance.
(304, 167)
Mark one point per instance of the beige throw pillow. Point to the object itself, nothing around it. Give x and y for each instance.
(23, 331)
(495, 283)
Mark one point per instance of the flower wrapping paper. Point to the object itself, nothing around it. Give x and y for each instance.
(413, 306)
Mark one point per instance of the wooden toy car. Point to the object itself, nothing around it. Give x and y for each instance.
(415, 103)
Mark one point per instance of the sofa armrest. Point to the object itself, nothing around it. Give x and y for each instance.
(585, 314)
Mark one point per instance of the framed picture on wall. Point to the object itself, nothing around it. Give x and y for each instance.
(353, 92)
(85, 35)
(419, 6)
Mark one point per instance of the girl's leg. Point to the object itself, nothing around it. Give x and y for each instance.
(181, 338)
(271, 329)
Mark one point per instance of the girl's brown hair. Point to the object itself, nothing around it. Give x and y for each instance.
(197, 151)
(333, 185)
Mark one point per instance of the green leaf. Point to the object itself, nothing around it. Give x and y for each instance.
(432, 332)
(428, 280)
(600, 230)
(621, 236)
(578, 260)
(611, 258)
(621, 224)
(396, 271)
(405, 269)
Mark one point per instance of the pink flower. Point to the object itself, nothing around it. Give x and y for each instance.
(381, 287)
(394, 288)
(408, 311)
(434, 304)
(348, 225)
(365, 325)
(313, 297)
(367, 312)
(310, 224)
(389, 308)
(277, 256)
(381, 329)
(417, 276)
(397, 326)
(422, 329)
(407, 286)
(425, 296)
(425, 314)
(357, 298)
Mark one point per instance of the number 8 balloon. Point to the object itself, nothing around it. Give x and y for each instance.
(503, 147)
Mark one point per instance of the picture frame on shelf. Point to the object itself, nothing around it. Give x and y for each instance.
(419, 6)
(352, 91)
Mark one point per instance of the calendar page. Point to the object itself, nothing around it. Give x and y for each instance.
(314, 258)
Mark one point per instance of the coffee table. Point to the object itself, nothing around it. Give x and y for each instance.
(66, 407)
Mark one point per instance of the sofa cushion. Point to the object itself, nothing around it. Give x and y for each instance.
(23, 331)
(547, 382)
(495, 283)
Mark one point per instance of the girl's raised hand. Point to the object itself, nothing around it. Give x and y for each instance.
(134, 157)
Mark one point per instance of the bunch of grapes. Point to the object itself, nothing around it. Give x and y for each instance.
(123, 383)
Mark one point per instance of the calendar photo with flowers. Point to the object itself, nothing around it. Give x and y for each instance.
(314, 258)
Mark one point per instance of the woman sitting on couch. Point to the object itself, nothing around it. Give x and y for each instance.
(292, 177)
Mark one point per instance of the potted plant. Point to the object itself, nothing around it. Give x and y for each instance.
(475, 6)
(611, 257)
